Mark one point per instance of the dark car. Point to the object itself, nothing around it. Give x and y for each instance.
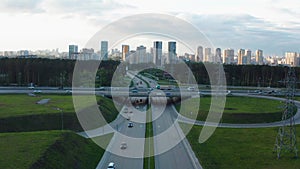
(130, 124)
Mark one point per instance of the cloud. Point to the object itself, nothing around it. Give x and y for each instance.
(23, 6)
(65, 7)
(86, 7)
(246, 31)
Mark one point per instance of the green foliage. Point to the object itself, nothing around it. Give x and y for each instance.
(240, 149)
(53, 72)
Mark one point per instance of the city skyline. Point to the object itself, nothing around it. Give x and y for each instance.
(48, 24)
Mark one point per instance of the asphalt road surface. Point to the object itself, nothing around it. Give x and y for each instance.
(135, 147)
(181, 155)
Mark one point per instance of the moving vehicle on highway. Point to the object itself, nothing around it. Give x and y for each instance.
(130, 124)
(123, 145)
(111, 165)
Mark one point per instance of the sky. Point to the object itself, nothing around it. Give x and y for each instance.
(270, 25)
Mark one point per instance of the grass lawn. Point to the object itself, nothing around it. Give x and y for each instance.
(237, 109)
(22, 104)
(149, 162)
(21, 150)
(21, 113)
(241, 149)
(47, 149)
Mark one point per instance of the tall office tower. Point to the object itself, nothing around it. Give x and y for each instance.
(157, 53)
(171, 52)
(73, 51)
(104, 50)
(248, 57)
(125, 52)
(259, 57)
(141, 56)
(207, 55)
(218, 55)
(291, 59)
(199, 55)
(228, 56)
(241, 54)
(132, 57)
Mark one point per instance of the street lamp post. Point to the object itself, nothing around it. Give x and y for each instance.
(62, 118)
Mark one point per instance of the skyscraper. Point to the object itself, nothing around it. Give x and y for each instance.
(291, 59)
(207, 55)
(218, 55)
(73, 51)
(228, 56)
(171, 52)
(199, 55)
(157, 53)
(248, 56)
(259, 57)
(241, 54)
(104, 50)
(125, 52)
(141, 54)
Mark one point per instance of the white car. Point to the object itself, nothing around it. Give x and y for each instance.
(111, 165)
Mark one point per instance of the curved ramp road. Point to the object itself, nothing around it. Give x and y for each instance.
(256, 125)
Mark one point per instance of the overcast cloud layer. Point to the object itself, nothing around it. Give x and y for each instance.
(271, 25)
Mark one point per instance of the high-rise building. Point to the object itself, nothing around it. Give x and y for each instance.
(291, 59)
(73, 51)
(241, 56)
(207, 55)
(157, 53)
(247, 59)
(86, 54)
(141, 56)
(259, 57)
(171, 52)
(125, 52)
(104, 50)
(218, 55)
(228, 56)
(199, 54)
(132, 57)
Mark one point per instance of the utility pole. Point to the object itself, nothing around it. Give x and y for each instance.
(286, 138)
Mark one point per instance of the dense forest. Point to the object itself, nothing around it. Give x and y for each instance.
(49, 72)
(59, 73)
(238, 75)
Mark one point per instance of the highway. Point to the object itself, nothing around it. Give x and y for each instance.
(124, 158)
(181, 155)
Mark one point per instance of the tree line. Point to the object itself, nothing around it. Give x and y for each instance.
(49, 72)
(59, 72)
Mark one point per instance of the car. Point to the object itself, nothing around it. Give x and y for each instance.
(31, 87)
(111, 165)
(37, 91)
(101, 88)
(191, 88)
(68, 91)
(125, 110)
(134, 91)
(123, 145)
(130, 124)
